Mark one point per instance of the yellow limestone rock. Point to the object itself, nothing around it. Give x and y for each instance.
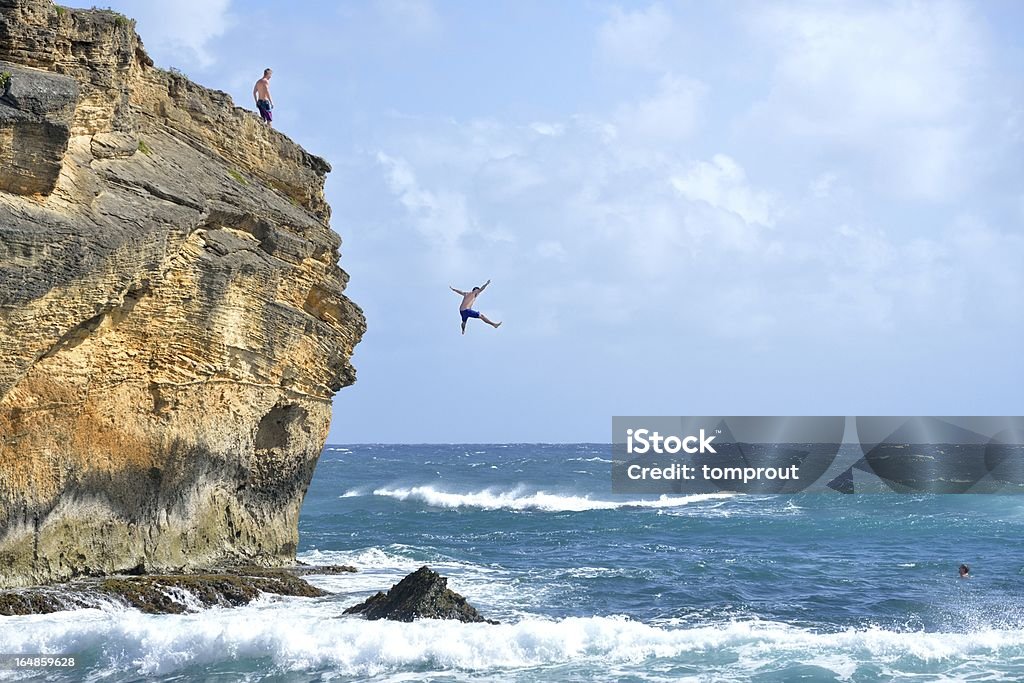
(172, 319)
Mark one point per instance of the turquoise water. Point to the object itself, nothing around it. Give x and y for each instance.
(593, 586)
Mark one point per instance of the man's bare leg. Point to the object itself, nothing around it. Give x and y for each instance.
(463, 327)
(489, 321)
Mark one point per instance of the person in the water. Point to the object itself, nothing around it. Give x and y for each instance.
(965, 571)
(466, 307)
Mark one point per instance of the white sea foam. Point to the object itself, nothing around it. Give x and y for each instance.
(396, 557)
(520, 498)
(305, 636)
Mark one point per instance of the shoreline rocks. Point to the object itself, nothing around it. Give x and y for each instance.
(167, 593)
(423, 594)
(323, 570)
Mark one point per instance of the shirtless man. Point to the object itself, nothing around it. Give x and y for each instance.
(466, 307)
(264, 102)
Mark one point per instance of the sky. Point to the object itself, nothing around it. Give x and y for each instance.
(685, 208)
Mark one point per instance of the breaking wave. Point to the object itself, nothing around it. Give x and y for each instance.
(298, 638)
(520, 499)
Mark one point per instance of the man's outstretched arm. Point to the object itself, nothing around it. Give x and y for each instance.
(484, 286)
(457, 291)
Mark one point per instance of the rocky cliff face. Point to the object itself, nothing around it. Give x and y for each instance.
(172, 322)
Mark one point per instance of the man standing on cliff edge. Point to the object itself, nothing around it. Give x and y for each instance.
(466, 307)
(264, 102)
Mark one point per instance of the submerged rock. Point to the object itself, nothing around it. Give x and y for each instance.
(424, 594)
(159, 594)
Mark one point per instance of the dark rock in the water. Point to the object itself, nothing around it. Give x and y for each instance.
(424, 594)
(159, 594)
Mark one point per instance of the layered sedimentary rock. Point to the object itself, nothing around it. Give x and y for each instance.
(172, 318)
(35, 123)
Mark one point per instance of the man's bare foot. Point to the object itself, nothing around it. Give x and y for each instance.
(497, 325)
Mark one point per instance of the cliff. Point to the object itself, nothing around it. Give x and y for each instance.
(172, 318)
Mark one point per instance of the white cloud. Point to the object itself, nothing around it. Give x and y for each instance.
(860, 65)
(551, 249)
(411, 17)
(550, 129)
(509, 177)
(895, 84)
(722, 183)
(441, 217)
(966, 270)
(179, 33)
(636, 38)
(585, 200)
(669, 116)
(669, 236)
(1014, 125)
(637, 194)
(821, 187)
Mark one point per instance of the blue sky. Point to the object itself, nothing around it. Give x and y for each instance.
(685, 207)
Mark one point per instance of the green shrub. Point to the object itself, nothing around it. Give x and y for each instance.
(120, 20)
(144, 148)
(239, 178)
(61, 11)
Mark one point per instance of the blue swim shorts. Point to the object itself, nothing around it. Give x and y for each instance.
(265, 110)
(467, 313)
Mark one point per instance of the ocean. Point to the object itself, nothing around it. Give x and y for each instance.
(592, 586)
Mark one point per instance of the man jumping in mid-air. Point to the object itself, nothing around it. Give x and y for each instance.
(466, 307)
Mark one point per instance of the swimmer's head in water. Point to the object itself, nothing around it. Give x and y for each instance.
(964, 570)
